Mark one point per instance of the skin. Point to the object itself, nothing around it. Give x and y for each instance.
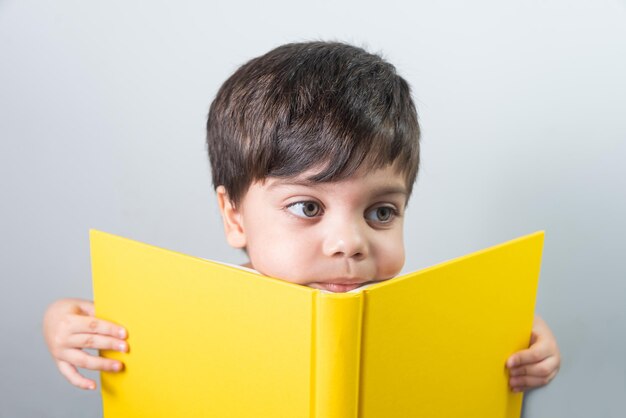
(336, 236)
(347, 232)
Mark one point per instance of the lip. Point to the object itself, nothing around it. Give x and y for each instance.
(338, 287)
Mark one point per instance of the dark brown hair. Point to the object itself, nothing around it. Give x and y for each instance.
(304, 105)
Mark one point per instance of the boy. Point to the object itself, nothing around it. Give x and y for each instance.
(314, 149)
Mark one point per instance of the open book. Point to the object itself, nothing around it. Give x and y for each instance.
(213, 340)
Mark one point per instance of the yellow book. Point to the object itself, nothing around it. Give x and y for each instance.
(212, 340)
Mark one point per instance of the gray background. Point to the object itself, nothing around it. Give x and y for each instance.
(522, 105)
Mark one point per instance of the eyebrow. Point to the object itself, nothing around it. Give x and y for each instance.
(302, 182)
(376, 192)
(385, 190)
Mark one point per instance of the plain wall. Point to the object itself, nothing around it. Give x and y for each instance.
(522, 106)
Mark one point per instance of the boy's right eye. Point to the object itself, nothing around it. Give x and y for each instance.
(307, 209)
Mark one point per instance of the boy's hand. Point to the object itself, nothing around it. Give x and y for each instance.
(537, 365)
(69, 326)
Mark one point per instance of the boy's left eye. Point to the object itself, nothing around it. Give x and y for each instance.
(382, 214)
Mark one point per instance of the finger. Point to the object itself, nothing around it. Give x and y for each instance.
(536, 353)
(541, 369)
(75, 378)
(521, 383)
(87, 324)
(79, 358)
(97, 341)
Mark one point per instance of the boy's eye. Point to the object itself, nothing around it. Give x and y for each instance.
(381, 214)
(308, 209)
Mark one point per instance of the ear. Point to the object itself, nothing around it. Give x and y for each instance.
(231, 216)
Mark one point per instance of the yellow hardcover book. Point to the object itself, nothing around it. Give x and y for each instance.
(213, 340)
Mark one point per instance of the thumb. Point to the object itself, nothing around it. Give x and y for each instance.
(86, 307)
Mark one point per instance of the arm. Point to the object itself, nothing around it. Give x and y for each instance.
(537, 365)
(69, 326)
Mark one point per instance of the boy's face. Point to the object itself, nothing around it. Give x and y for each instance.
(333, 236)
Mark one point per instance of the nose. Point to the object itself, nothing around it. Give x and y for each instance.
(346, 239)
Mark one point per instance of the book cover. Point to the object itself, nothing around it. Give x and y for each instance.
(209, 339)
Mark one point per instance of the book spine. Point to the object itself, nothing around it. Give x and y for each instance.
(337, 355)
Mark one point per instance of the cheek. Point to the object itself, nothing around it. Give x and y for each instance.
(390, 255)
(280, 252)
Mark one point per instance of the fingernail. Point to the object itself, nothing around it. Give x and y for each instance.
(117, 367)
(122, 347)
(510, 363)
(122, 333)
